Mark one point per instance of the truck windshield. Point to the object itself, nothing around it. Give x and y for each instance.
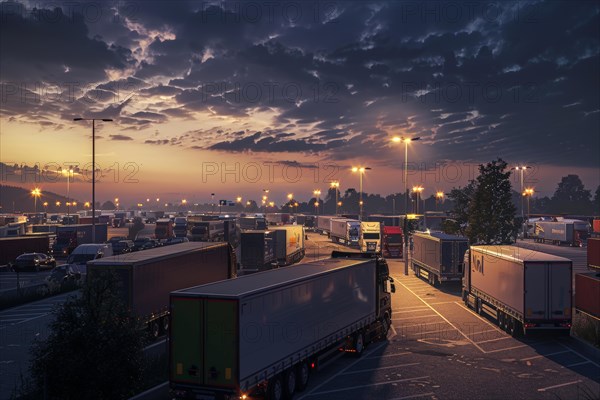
(371, 236)
(394, 238)
(354, 232)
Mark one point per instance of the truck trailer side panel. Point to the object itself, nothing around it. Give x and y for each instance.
(593, 253)
(587, 293)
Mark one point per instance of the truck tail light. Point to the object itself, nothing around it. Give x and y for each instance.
(565, 324)
(530, 325)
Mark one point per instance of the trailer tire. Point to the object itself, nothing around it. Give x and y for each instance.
(165, 324)
(359, 343)
(478, 306)
(275, 388)
(302, 376)
(289, 383)
(385, 326)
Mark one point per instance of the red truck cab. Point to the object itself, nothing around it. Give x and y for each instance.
(392, 241)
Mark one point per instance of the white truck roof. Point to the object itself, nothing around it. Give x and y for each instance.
(518, 254)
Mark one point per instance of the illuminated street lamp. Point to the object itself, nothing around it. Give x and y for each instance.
(86, 204)
(290, 196)
(361, 171)
(317, 193)
(45, 206)
(36, 192)
(406, 141)
(68, 172)
(528, 192)
(93, 169)
(439, 197)
(57, 204)
(335, 185)
(417, 190)
(522, 169)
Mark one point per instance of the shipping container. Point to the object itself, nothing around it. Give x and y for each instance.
(147, 277)
(261, 334)
(288, 243)
(438, 257)
(522, 289)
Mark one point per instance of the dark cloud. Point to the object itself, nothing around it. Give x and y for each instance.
(120, 137)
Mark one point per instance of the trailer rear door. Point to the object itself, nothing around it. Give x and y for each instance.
(536, 294)
(560, 293)
(186, 340)
(221, 345)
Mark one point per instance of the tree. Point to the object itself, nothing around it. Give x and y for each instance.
(571, 197)
(461, 198)
(597, 201)
(94, 350)
(491, 211)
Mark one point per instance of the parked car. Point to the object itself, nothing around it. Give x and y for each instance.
(63, 274)
(122, 246)
(175, 240)
(116, 239)
(87, 252)
(150, 244)
(34, 262)
(140, 242)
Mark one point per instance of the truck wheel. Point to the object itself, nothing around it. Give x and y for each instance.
(165, 324)
(359, 344)
(289, 383)
(154, 329)
(302, 375)
(514, 327)
(275, 389)
(385, 327)
(478, 306)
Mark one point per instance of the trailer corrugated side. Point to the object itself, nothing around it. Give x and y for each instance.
(587, 293)
(247, 335)
(324, 224)
(523, 289)
(147, 277)
(288, 243)
(345, 230)
(593, 253)
(439, 257)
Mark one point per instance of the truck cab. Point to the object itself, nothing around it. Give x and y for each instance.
(163, 229)
(78, 259)
(392, 242)
(370, 237)
(180, 226)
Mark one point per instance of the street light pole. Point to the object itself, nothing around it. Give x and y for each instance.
(93, 169)
(522, 169)
(406, 142)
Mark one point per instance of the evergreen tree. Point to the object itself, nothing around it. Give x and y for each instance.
(461, 198)
(597, 201)
(571, 197)
(94, 350)
(491, 212)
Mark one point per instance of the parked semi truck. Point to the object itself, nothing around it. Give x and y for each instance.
(324, 224)
(522, 289)
(387, 220)
(180, 227)
(231, 339)
(257, 251)
(345, 231)
(369, 240)
(68, 237)
(391, 242)
(438, 257)
(252, 223)
(206, 231)
(147, 277)
(288, 243)
(566, 231)
(163, 229)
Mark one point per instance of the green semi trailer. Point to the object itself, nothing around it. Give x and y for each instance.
(263, 334)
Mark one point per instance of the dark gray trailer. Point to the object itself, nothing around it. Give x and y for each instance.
(147, 277)
(439, 257)
(262, 334)
(257, 251)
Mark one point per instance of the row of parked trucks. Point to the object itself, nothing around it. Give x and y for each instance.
(569, 232)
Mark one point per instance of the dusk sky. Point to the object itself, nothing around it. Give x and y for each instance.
(288, 96)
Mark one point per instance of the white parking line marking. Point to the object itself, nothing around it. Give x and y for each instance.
(579, 354)
(380, 368)
(312, 392)
(389, 355)
(494, 340)
(508, 348)
(545, 355)
(557, 386)
(419, 317)
(414, 396)
(450, 323)
(431, 323)
(495, 327)
(437, 331)
(441, 302)
(576, 364)
(368, 385)
(409, 311)
(486, 331)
